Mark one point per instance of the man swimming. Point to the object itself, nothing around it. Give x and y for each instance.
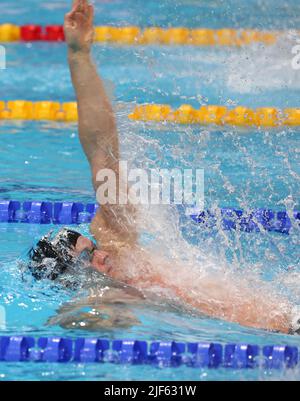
(117, 251)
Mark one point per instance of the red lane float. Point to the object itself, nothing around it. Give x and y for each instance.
(53, 33)
(31, 33)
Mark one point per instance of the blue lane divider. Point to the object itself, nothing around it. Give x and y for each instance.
(163, 354)
(241, 355)
(77, 213)
(249, 221)
(205, 355)
(47, 212)
(167, 353)
(90, 349)
(54, 349)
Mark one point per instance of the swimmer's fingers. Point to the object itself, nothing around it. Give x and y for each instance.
(75, 8)
(88, 12)
(80, 8)
(85, 7)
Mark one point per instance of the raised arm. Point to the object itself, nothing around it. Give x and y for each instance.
(97, 126)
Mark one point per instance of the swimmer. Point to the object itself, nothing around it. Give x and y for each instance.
(116, 251)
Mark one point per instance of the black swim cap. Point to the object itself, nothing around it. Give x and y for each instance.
(52, 257)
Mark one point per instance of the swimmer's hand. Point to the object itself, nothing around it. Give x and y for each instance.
(78, 27)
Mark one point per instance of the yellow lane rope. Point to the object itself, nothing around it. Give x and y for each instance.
(44, 110)
(219, 115)
(185, 114)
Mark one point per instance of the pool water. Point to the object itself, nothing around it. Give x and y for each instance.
(243, 168)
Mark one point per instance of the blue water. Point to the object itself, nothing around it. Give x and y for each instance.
(243, 168)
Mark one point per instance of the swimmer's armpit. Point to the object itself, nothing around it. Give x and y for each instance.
(100, 317)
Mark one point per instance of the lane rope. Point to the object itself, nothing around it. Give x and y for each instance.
(240, 116)
(68, 213)
(38, 111)
(135, 352)
(219, 115)
(133, 35)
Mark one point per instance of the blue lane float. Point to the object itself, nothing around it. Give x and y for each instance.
(46, 212)
(68, 213)
(135, 352)
(249, 221)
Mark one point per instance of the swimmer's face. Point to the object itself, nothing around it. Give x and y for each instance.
(98, 260)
